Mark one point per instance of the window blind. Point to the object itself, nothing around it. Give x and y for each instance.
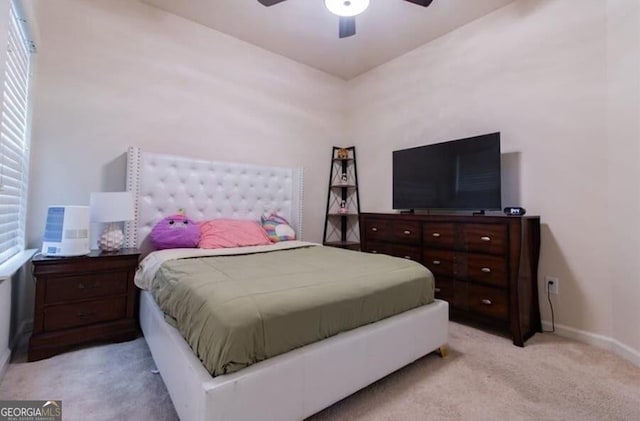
(14, 139)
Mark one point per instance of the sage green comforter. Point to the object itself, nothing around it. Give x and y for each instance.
(235, 311)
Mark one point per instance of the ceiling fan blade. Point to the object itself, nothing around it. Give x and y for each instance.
(424, 3)
(270, 2)
(347, 26)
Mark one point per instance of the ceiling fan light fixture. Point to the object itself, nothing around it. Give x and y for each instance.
(346, 7)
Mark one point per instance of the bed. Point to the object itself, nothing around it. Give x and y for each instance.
(291, 385)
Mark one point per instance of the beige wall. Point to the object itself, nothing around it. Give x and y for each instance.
(536, 71)
(115, 73)
(623, 61)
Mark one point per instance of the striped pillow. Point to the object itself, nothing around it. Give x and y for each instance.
(277, 228)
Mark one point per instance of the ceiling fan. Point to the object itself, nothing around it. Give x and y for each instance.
(347, 10)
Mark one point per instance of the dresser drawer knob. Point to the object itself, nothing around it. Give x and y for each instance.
(437, 289)
(486, 270)
(374, 229)
(90, 286)
(485, 238)
(486, 301)
(436, 234)
(407, 232)
(407, 257)
(83, 315)
(436, 262)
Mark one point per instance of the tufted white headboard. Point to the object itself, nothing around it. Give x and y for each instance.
(164, 184)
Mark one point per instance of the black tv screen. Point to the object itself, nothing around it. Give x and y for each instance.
(461, 174)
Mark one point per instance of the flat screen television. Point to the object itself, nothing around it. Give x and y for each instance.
(461, 174)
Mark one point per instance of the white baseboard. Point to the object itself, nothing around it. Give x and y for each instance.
(600, 341)
(5, 358)
(625, 351)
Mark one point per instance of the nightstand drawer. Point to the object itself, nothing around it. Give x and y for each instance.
(86, 286)
(70, 315)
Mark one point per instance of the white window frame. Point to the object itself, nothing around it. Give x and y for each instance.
(15, 137)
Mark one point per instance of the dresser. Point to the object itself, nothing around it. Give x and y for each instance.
(485, 266)
(83, 299)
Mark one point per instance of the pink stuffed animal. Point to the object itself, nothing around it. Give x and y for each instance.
(176, 231)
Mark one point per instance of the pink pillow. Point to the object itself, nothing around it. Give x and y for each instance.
(224, 233)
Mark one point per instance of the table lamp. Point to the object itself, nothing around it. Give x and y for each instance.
(111, 208)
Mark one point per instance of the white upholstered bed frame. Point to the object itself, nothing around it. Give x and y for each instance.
(291, 386)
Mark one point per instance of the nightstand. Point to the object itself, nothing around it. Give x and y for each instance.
(83, 299)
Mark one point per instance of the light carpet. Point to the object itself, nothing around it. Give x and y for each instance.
(484, 377)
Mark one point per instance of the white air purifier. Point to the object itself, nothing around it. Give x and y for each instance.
(66, 232)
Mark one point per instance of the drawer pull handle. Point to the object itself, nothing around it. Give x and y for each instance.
(83, 315)
(374, 251)
(486, 270)
(407, 232)
(485, 238)
(374, 229)
(436, 234)
(437, 289)
(407, 257)
(90, 286)
(486, 301)
(436, 262)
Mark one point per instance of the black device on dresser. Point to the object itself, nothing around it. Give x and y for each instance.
(83, 299)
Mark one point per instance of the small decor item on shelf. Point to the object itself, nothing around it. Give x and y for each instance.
(343, 153)
(343, 207)
(344, 179)
(112, 208)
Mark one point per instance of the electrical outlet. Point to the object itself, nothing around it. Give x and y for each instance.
(553, 284)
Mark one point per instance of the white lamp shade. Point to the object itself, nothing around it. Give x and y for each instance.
(346, 7)
(111, 207)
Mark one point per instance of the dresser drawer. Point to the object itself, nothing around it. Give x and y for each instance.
(65, 316)
(438, 234)
(486, 301)
(491, 270)
(397, 250)
(486, 238)
(406, 232)
(377, 229)
(444, 288)
(440, 262)
(91, 285)
(375, 247)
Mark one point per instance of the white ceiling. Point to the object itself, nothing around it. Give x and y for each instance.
(305, 31)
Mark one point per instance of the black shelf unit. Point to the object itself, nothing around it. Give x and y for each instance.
(341, 227)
